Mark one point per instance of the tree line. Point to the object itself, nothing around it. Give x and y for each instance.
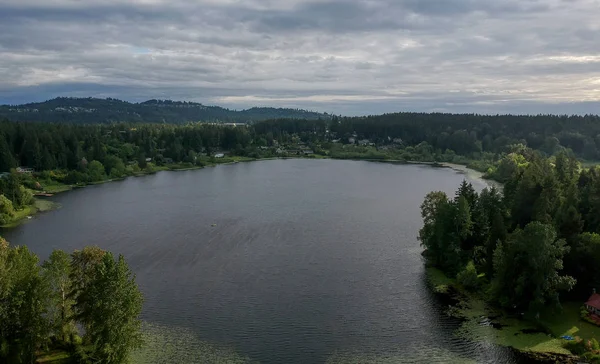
(530, 245)
(85, 303)
(468, 134)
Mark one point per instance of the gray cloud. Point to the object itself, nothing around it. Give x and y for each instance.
(342, 56)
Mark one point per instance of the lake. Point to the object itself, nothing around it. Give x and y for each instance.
(283, 261)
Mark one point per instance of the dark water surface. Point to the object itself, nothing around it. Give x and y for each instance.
(285, 261)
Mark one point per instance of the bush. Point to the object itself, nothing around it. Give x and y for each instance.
(468, 277)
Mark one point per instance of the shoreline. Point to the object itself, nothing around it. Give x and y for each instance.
(539, 341)
(43, 205)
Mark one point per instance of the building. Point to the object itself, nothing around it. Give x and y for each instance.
(219, 155)
(308, 151)
(25, 170)
(593, 304)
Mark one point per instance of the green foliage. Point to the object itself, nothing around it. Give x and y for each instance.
(114, 304)
(23, 292)
(7, 211)
(468, 277)
(40, 306)
(56, 272)
(445, 224)
(96, 171)
(527, 268)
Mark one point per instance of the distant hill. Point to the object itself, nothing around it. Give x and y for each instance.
(93, 110)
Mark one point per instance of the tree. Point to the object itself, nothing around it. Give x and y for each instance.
(23, 327)
(7, 160)
(6, 210)
(467, 191)
(585, 256)
(430, 211)
(96, 171)
(446, 224)
(83, 263)
(115, 167)
(113, 311)
(56, 272)
(527, 268)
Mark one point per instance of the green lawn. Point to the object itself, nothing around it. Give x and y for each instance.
(56, 188)
(485, 323)
(438, 280)
(569, 322)
(54, 357)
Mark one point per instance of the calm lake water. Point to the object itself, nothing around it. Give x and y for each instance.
(284, 261)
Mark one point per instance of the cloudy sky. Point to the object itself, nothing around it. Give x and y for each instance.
(348, 57)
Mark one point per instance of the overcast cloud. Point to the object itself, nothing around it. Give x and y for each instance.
(348, 57)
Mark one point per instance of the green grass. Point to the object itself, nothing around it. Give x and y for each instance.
(54, 357)
(56, 188)
(439, 281)
(487, 324)
(569, 322)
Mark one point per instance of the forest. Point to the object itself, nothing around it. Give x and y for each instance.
(527, 248)
(44, 308)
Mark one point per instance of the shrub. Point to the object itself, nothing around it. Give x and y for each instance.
(468, 277)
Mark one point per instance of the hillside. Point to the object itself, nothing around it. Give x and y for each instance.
(93, 110)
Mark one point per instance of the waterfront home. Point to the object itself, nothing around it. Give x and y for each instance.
(593, 304)
(219, 155)
(25, 170)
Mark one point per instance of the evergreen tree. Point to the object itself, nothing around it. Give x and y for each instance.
(527, 268)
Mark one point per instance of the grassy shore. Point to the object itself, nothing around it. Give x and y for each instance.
(483, 322)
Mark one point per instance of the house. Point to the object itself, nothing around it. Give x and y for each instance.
(397, 141)
(148, 159)
(351, 140)
(219, 155)
(593, 304)
(307, 151)
(25, 170)
(169, 160)
(279, 151)
(293, 151)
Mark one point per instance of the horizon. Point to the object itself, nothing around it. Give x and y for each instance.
(308, 110)
(344, 57)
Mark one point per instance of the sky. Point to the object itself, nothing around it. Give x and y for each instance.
(349, 57)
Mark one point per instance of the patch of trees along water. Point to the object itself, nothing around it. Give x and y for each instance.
(528, 247)
(48, 306)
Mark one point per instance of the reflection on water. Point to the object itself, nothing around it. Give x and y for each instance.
(295, 261)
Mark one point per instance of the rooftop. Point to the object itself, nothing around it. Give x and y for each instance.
(594, 301)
